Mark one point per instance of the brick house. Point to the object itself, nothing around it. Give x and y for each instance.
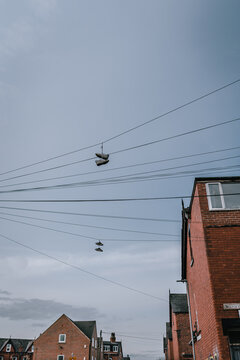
(176, 344)
(16, 349)
(112, 350)
(66, 339)
(211, 267)
(167, 343)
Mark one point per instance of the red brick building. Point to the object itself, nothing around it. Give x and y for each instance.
(66, 339)
(211, 267)
(112, 350)
(16, 349)
(167, 343)
(176, 343)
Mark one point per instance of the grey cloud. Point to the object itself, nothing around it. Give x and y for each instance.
(38, 309)
(4, 292)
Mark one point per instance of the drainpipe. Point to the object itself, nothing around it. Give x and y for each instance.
(190, 319)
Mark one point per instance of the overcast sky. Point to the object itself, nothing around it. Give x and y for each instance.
(76, 73)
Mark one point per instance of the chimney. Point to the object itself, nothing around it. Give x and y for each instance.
(113, 337)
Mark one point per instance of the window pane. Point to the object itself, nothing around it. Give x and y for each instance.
(215, 200)
(232, 201)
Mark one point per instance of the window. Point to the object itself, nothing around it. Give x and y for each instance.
(115, 348)
(24, 358)
(223, 196)
(60, 357)
(106, 348)
(8, 348)
(32, 348)
(62, 338)
(14, 358)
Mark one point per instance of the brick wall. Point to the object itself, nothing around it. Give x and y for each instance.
(181, 335)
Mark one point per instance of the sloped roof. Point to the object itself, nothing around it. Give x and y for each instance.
(87, 327)
(168, 331)
(20, 345)
(164, 343)
(178, 303)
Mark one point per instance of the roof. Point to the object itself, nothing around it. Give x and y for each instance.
(87, 327)
(20, 345)
(168, 331)
(112, 343)
(164, 344)
(178, 303)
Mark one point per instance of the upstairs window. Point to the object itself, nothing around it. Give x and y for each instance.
(223, 196)
(8, 347)
(115, 348)
(62, 338)
(106, 348)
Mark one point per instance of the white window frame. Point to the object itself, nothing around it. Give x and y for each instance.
(59, 356)
(115, 348)
(59, 338)
(209, 196)
(106, 348)
(8, 347)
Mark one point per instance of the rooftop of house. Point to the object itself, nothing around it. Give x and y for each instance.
(87, 327)
(19, 345)
(168, 331)
(178, 303)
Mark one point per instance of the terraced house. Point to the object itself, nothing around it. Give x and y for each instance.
(16, 349)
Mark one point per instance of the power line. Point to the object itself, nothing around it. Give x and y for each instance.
(51, 158)
(126, 149)
(92, 215)
(175, 136)
(89, 226)
(81, 269)
(173, 110)
(111, 200)
(105, 181)
(124, 167)
(80, 235)
(129, 130)
(130, 336)
(49, 169)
